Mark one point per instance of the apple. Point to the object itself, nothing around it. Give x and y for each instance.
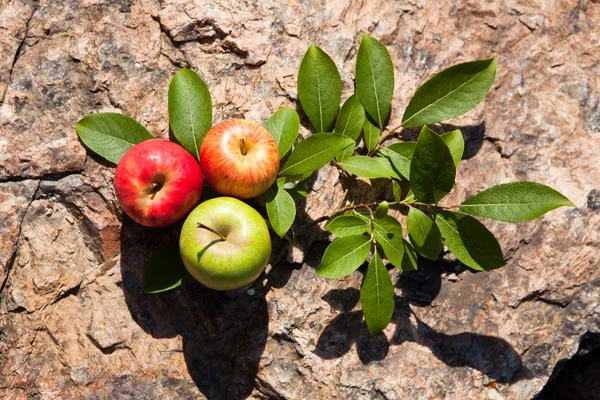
(224, 243)
(239, 158)
(158, 182)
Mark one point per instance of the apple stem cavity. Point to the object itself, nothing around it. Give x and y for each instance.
(154, 188)
(208, 228)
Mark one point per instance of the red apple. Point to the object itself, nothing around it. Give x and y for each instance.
(158, 182)
(239, 158)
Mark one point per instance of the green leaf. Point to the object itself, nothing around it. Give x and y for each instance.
(397, 191)
(409, 261)
(400, 155)
(377, 296)
(456, 144)
(470, 241)
(351, 118)
(369, 167)
(432, 169)
(347, 152)
(110, 135)
(515, 202)
(350, 123)
(410, 196)
(165, 270)
(347, 225)
(281, 208)
(371, 134)
(382, 210)
(365, 217)
(284, 126)
(295, 189)
(374, 79)
(388, 225)
(424, 234)
(313, 152)
(344, 256)
(388, 234)
(451, 93)
(190, 110)
(319, 88)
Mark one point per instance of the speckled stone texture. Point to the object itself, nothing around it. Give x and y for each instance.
(74, 320)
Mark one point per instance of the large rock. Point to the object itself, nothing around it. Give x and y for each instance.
(74, 320)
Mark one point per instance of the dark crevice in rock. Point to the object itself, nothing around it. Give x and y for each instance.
(72, 291)
(55, 176)
(19, 310)
(497, 144)
(87, 227)
(267, 390)
(35, 4)
(538, 295)
(203, 31)
(577, 378)
(13, 256)
(108, 349)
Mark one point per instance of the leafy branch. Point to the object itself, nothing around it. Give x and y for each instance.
(428, 165)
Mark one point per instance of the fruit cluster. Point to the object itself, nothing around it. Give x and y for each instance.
(224, 243)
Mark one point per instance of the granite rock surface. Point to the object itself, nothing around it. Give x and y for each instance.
(74, 320)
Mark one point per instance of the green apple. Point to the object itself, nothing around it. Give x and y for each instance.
(225, 243)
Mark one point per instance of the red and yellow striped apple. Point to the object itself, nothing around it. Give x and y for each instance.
(158, 182)
(224, 243)
(239, 158)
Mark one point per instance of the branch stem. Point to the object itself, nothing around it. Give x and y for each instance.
(369, 206)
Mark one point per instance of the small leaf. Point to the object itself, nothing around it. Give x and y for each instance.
(165, 270)
(344, 256)
(424, 234)
(190, 110)
(377, 296)
(451, 93)
(400, 155)
(410, 196)
(347, 225)
(374, 79)
(284, 126)
(397, 191)
(313, 152)
(382, 210)
(515, 202)
(110, 135)
(319, 88)
(371, 134)
(351, 118)
(470, 241)
(388, 234)
(432, 169)
(409, 261)
(281, 208)
(456, 144)
(369, 167)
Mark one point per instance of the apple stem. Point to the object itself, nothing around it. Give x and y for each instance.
(243, 147)
(208, 228)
